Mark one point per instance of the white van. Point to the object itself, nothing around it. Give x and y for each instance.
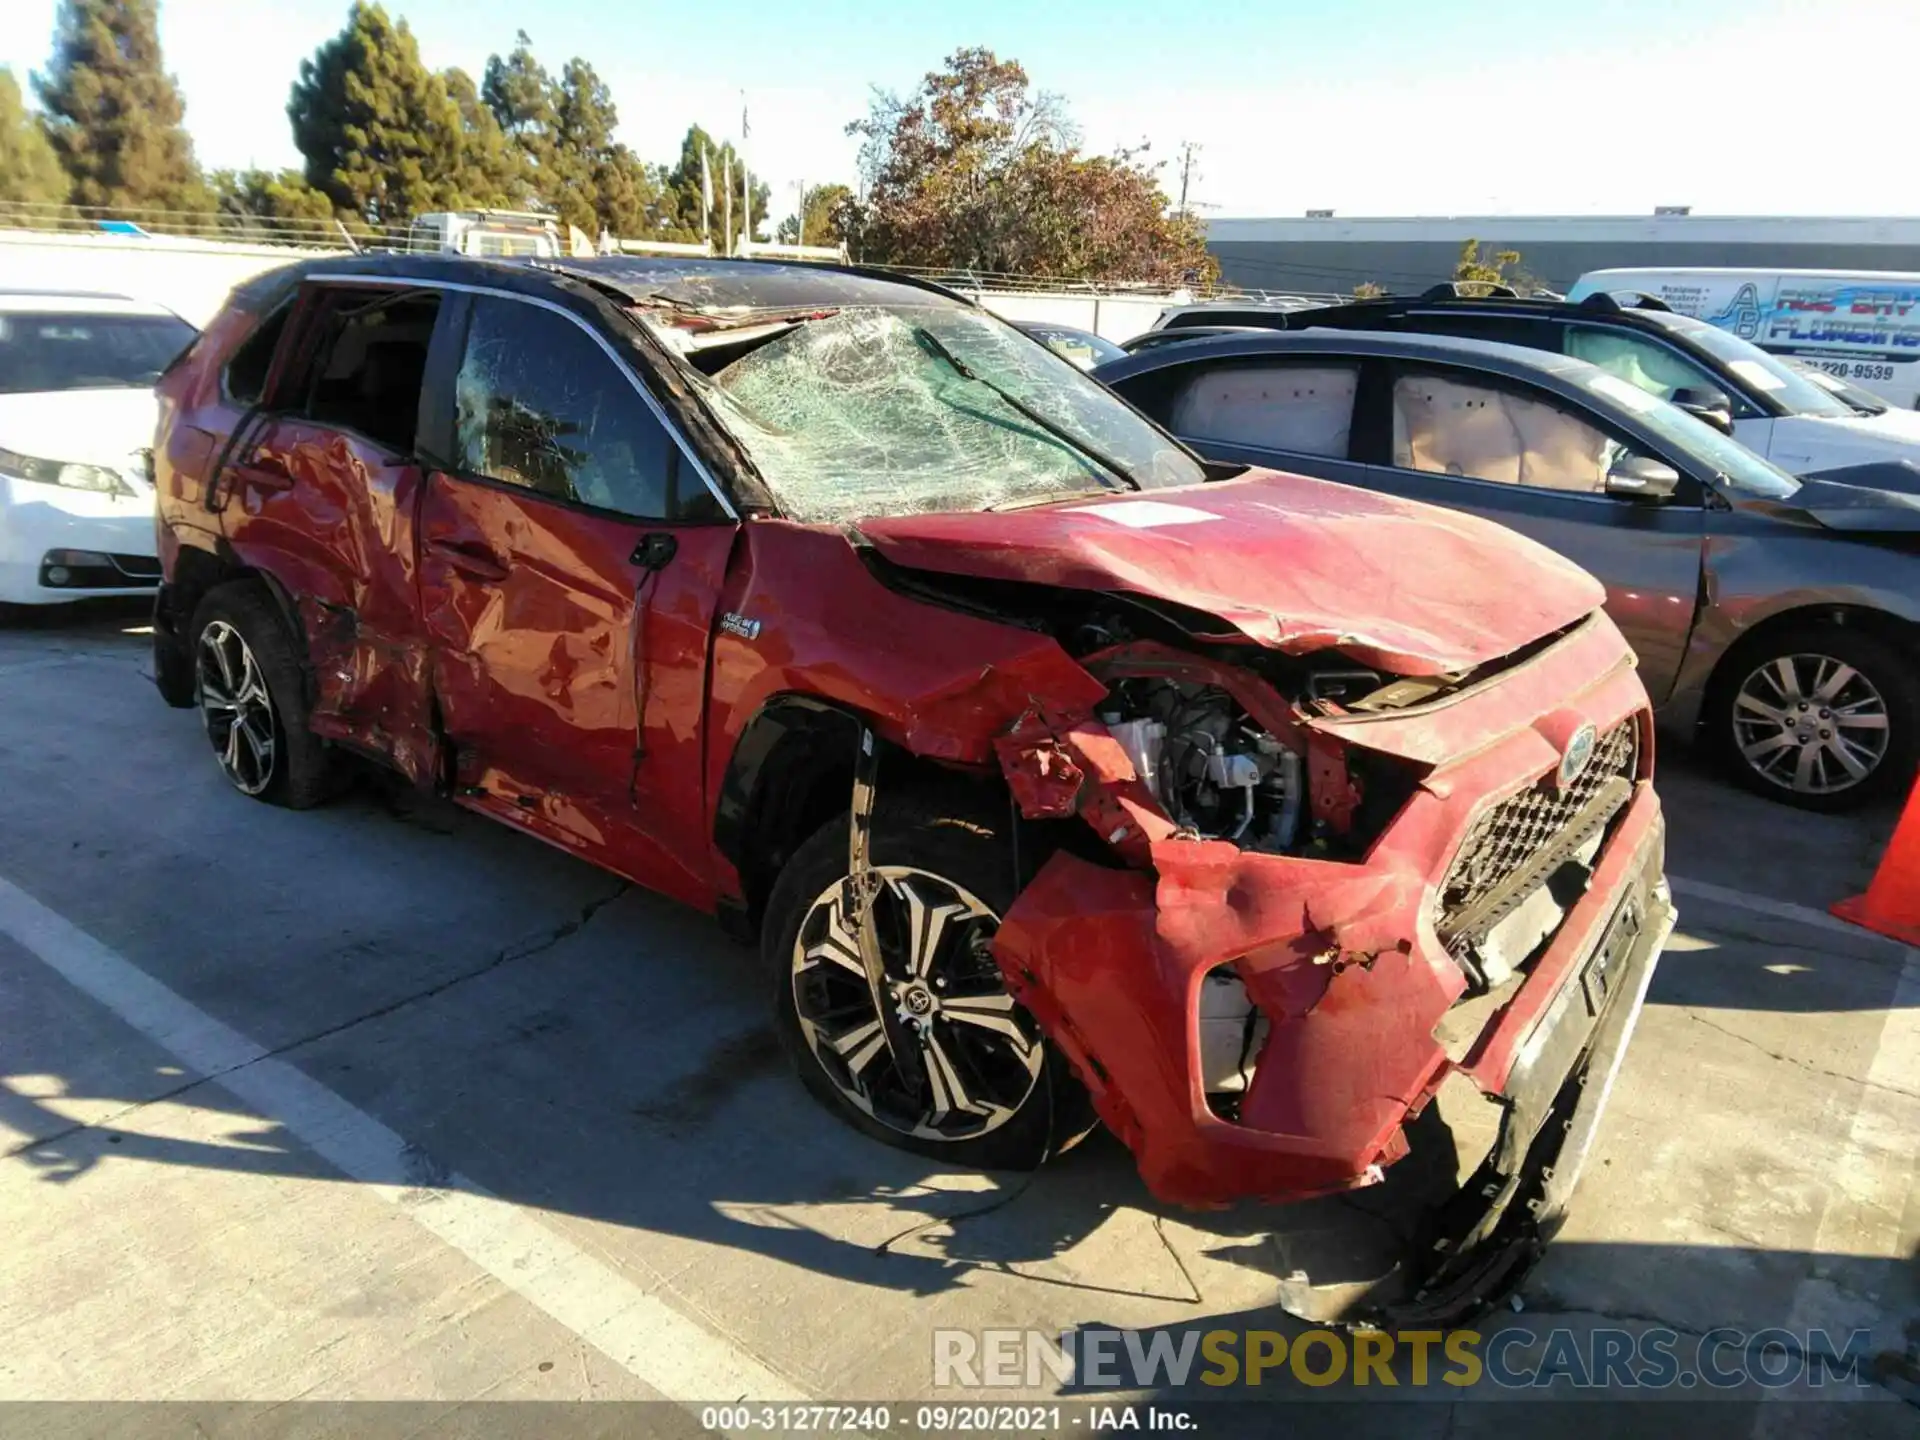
(1861, 326)
(492, 233)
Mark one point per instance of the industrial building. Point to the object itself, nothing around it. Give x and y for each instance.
(1322, 252)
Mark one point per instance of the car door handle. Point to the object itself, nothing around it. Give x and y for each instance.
(474, 561)
(264, 472)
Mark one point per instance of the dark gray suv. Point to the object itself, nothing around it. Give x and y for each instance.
(1779, 616)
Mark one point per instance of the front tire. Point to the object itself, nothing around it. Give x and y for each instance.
(1822, 717)
(976, 1083)
(252, 698)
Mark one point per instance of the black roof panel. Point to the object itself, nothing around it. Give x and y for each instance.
(700, 283)
(693, 283)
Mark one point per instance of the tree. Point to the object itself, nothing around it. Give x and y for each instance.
(491, 167)
(267, 195)
(581, 149)
(976, 171)
(681, 198)
(626, 193)
(825, 208)
(1481, 271)
(113, 115)
(30, 171)
(518, 91)
(518, 94)
(561, 130)
(382, 138)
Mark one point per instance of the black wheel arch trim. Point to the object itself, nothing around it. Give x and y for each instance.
(790, 716)
(232, 572)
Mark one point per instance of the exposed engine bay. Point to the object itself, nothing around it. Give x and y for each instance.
(1219, 775)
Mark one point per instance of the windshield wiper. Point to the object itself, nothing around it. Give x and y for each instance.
(1064, 436)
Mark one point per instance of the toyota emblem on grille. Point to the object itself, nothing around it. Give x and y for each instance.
(1578, 752)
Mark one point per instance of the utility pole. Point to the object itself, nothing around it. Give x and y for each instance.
(1187, 150)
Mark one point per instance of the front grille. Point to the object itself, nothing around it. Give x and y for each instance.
(1511, 843)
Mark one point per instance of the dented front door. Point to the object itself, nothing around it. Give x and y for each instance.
(569, 600)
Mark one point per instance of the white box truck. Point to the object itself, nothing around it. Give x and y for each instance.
(1862, 326)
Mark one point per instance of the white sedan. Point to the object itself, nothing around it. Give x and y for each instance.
(77, 416)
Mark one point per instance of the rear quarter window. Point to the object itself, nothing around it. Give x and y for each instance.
(245, 376)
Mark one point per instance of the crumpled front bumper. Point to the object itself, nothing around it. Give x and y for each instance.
(1556, 1091)
(1343, 961)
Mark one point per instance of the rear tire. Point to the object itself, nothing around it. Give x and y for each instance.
(948, 882)
(251, 692)
(1795, 715)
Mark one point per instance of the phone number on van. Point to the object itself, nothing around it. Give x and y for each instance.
(1858, 371)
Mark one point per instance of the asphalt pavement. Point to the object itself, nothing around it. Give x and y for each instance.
(382, 1101)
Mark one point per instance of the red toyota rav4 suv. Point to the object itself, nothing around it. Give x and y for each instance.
(1049, 763)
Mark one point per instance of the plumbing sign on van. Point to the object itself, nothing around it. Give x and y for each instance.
(1861, 326)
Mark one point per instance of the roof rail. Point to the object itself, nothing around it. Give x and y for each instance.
(1458, 290)
(1612, 302)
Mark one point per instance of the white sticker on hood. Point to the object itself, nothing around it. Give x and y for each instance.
(1145, 514)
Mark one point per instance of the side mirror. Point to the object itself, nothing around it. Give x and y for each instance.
(1712, 406)
(1639, 478)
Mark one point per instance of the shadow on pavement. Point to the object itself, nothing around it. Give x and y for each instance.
(617, 1068)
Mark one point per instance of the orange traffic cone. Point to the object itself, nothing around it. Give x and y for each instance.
(1892, 902)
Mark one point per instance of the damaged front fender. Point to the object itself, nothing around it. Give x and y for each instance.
(1341, 953)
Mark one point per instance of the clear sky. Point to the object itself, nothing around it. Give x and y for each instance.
(1370, 107)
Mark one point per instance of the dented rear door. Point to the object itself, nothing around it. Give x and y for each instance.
(320, 489)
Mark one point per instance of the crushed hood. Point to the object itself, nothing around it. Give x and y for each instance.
(1881, 497)
(1294, 563)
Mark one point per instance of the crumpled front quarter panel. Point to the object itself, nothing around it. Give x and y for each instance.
(936, 682)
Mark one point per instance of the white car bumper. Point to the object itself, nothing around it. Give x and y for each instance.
(36, 519)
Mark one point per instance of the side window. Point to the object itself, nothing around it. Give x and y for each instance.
(538, 404)
(247, 371)
(1305, 409)
(373, 356)
(1643, 362)
(1459, 424)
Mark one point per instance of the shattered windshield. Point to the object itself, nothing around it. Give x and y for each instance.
(898, 410)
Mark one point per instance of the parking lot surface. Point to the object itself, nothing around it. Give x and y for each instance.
(382, 1101)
